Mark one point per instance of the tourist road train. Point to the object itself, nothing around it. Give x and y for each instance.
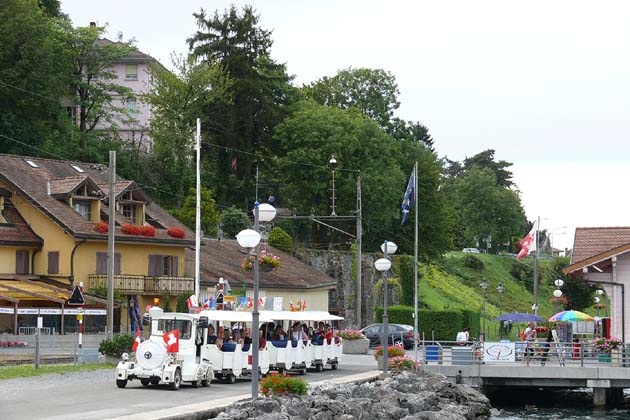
(180, 349)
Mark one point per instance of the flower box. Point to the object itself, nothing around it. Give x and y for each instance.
(176, 232)
(101, 227)
(131, 229)
(147, 231)
(360, 346)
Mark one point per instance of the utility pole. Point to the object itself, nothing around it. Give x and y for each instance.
(359, 291)
(536, 267)
(110, 244)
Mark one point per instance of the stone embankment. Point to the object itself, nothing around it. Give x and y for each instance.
(404, 396)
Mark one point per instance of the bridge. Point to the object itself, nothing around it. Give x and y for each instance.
(553, 365)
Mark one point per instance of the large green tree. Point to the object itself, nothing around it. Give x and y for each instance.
(485, 159)
(260, 92)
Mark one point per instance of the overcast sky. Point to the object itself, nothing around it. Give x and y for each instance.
(545, 84)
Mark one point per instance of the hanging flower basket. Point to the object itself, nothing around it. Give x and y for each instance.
(266, 262)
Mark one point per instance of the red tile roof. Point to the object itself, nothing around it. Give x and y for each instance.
(591, 241)
(224, 258)
(16, 231)
(32, 183)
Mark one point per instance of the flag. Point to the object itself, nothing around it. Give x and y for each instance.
(408, 200)
(192, 301)
(528, 243)
(137, 341)
(291, 307)
(250, 303)
(261, 301)
(208, 303)
(171, 339)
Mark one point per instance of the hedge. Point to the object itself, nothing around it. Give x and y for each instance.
(444, 324)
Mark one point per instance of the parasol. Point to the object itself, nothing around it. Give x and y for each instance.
(571, 315)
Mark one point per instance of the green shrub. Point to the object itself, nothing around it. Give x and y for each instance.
(282, 384)
(181, 305)
(118, 345)
(405, 268)
(472, 262)
(280, 239)
(166, 301)
(233, 221)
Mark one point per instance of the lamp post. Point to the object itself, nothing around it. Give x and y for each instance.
(596, 299)
(500, 290)
(333, 164)
(383, 265)
(557, 294)
(250, 239)
(600, 292)
(484, 288)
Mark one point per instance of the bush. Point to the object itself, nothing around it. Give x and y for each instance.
(181, 305)
(233, 221)
(351, 334)
(405, 268)
(282, 384)
(392, 351)
(402, 363)
(280, 239)
(117, 346)
(472, 262)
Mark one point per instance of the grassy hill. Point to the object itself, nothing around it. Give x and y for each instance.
(454, 283)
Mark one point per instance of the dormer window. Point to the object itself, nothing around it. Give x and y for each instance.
(82, 207)
(129, 211)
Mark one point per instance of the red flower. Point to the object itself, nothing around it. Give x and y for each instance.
(101, 227)
(131, 229)
(147, 230)
(176, 232)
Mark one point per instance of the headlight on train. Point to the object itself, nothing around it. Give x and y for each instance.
(125, 357)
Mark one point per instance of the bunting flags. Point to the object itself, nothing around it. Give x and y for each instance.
(528, 243)
(409, 199)
(298, 307)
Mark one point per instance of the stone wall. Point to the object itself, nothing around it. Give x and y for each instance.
(340, 266)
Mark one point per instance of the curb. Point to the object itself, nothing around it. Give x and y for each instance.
(208, 409)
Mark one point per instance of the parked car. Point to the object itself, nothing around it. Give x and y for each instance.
(472, 250)
(398, 334)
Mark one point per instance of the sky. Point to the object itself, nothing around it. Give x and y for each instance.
(545, 84)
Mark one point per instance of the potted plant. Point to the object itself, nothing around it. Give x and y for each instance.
(398, 364)
(605, 346)
(392, 351)
(354, 342)
(266, 262)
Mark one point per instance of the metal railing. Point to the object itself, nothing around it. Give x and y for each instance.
(33, 330)
(131, 284)
(525, 353)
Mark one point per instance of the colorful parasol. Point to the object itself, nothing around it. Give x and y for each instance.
(571, 316)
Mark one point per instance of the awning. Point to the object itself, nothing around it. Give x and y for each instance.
(23, 289)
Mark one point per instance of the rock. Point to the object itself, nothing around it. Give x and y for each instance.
(404, 396)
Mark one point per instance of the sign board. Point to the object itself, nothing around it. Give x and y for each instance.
(229, 298)
(40, 322)
(7, 311)
(501, 352)
(77, 297)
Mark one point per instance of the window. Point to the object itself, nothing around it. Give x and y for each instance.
(163, 265)
(78, 169)
(101, 263)
(21, 262)
(53, 262)
(129, 211)
(31, 163)
(132, 108)
(131, 72)
(83, 208)
(184, 327)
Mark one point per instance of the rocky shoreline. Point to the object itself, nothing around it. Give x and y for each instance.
(404, 396)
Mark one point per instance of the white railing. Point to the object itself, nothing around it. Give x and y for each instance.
(33, 330)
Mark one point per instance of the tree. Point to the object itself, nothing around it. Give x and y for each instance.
(33, 76)
(485, 159)
(280, 239)
(176, 100)
(233, 221)
(260, 92)
(209, 213)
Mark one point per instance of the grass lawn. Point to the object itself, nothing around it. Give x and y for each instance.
(23, 371)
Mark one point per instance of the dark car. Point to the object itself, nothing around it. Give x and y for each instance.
(398, 333)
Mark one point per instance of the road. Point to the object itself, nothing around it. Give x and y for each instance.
(94, 395)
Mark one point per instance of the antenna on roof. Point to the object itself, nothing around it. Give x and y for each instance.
(120, 36)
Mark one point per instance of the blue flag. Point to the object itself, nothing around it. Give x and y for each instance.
(408, 200)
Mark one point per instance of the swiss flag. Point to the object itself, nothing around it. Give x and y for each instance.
(171, 339)
(528, 243)
(137, 341)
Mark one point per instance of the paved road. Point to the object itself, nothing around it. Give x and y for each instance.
(94, 395)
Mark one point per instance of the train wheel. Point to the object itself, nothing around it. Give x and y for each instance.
(177, 380)
(145, 382)
(121, 383)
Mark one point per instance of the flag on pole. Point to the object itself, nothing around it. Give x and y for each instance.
(137, 341)
(528, 243)
(408, 200)
(192, 301)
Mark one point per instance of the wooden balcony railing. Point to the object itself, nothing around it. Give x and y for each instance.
(135, 284)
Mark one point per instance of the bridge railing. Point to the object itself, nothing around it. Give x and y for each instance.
(521, 353)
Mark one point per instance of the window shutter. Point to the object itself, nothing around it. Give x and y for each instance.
(21, 262)
(53, 262)
(151, 269)
(174, 266)
(101, 263)
(117, 263)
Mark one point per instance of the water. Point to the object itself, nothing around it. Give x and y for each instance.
(582, 413)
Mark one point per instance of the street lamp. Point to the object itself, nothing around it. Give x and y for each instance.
(596, 299)
(333, 164)
(500, 290)
(600, 292)
(484, 288)
(383, 265)
(557, 294)
(250, 239)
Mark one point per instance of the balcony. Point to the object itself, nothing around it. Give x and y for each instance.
(131, 284)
